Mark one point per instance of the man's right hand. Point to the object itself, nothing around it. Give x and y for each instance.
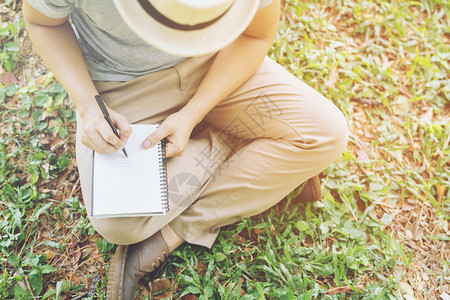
(98, 135)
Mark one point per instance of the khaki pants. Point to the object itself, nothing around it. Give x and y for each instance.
(250, 151)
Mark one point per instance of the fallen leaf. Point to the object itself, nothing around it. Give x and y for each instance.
(190, 297)
(440, 191)
(75, 279)
(144, 294)
(272, 231)
(46, 167)
(92, 269)
(399, 155)
(401, 105)
(50, 254)
(240, 238)
(66, 213)
(161, 288)
(405, 92)
(362, 154)
(45, 140)
(76, 256)
(8, 78)
(57, 142)
(427, 117)
(21, 284)
(258, 230)
(40, 80)
(366, 43)
(407, 288)
(368, 133)
(409, 235)
(332, 78)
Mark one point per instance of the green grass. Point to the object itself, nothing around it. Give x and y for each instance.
(381, 231)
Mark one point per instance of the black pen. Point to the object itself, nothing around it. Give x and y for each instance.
(108, 119)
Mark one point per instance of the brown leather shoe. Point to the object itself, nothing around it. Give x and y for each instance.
(130, 263)
(311, 191)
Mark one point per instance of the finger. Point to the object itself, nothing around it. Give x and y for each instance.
(155, 137)
(108, 135)
(123, 126)
(95, 141)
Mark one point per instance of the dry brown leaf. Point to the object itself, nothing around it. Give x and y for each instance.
(272, 231)
(401, 105)
(66, 213)
(240, 238)
(159, 285)
(75, 279)
(40, 80)
(76, 256)
(144, 292)
(409, 235)
(190, 297)
(440, 191)
(332, 78)
(366, 43)
(46, 167)
(50, 254)
(362, 154)
(408, 289)
(8, 78)
(257, 230)
(57, 142)
(405, 92)
(45, 140)
(427, 117)
(368, 133)
(92, 269)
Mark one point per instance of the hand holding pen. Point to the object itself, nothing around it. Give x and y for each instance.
(97, 133)
(108, 119)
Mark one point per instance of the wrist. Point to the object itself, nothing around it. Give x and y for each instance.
(90, 111)
(84, 100)
(194, 113)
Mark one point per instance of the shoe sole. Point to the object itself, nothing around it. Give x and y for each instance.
(116, 273)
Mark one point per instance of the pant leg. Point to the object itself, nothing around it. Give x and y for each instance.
(286, 132)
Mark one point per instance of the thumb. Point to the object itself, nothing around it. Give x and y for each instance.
(154, 138)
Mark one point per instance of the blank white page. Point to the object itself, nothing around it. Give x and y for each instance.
(128, 186)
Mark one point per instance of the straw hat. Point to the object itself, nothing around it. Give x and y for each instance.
(188, 27)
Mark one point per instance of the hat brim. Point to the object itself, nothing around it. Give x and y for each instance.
(188, 43)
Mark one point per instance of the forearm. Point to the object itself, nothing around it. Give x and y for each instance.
(236, 63)
(59, 49)
(232, 66)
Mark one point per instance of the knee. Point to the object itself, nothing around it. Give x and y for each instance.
(336, 133)
(118, 230)
(326, 132)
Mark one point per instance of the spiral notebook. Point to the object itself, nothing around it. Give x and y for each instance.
(133, 186)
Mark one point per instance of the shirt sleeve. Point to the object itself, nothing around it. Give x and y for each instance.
(53, 8)
(264, 3)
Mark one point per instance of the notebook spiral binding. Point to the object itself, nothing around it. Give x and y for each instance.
(163, 174)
